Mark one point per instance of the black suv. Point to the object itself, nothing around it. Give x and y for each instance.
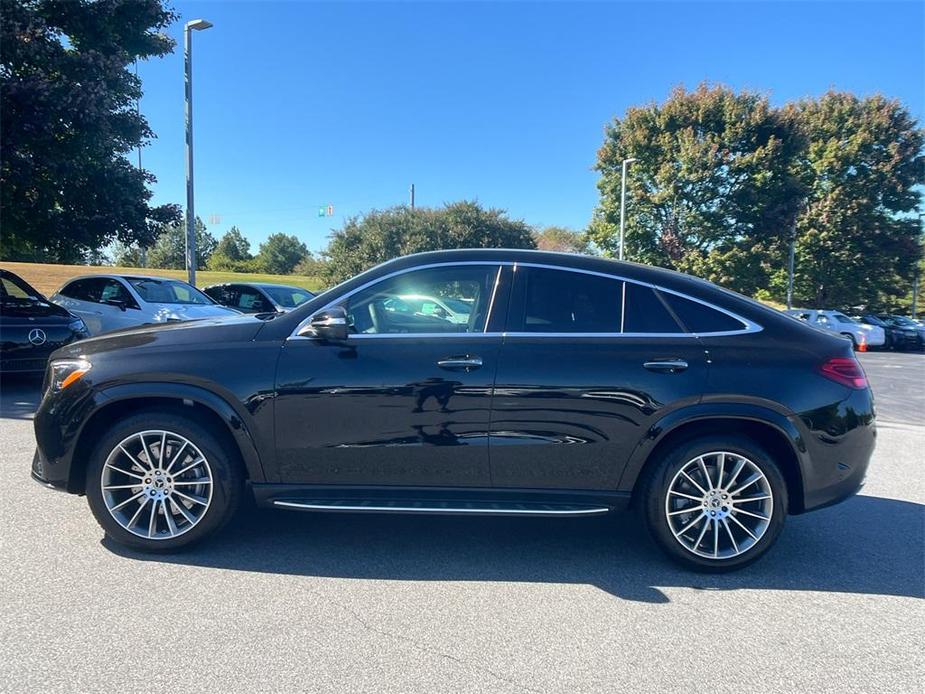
(561, 385)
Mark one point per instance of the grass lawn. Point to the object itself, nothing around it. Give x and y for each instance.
(48, 278)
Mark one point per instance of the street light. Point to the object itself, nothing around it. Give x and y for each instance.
(623, 202)
(197, 25)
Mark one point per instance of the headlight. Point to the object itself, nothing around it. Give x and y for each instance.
(64, 372)
(78, 326)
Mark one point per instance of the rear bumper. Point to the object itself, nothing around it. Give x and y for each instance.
(840, 442)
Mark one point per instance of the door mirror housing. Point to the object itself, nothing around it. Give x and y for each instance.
(330, 324)
(118, 303)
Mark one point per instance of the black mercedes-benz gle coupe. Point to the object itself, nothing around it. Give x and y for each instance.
(561, 385)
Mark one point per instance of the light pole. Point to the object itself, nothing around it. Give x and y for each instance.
(198, 25)
(623, 202)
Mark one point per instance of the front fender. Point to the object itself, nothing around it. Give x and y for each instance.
(189, 394)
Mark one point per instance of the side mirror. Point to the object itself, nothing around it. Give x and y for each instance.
(328, 325)
(118, 303)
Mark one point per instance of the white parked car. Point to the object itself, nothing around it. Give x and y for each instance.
(112, 302)
(840, 324)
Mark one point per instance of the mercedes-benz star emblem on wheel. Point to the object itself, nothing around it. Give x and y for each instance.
(37, 336)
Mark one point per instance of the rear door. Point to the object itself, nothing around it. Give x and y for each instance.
(81, 297)
(589, 362)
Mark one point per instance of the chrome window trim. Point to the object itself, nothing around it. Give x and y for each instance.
(748, 326)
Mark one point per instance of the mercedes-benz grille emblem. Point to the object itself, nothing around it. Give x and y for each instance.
(37, 337)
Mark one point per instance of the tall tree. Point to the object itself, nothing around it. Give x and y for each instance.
(234, 246)
(381, 235)
(713, 179)
(857, 240)
(555, 238)
(69, 120)
(280, 253)
(169, 249)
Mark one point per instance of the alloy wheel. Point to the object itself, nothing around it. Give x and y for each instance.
(156, 484)
(719, 505)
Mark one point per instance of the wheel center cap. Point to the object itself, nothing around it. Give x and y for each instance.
(717, 504)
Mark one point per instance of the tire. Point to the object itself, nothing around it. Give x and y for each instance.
(854, 342)
(666, 490)
(201, 496)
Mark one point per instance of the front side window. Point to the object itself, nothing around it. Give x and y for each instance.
(416, 302)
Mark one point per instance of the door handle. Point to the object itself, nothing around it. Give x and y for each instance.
(666, 365)
(463, 363)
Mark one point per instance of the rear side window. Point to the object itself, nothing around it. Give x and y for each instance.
(559, 301)
(699, 318)
(644, 312)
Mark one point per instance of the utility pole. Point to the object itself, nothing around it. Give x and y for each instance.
(197, 25)
(412, 196)
(623, 202)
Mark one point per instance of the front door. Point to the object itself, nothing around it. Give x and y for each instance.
(589, 364)
(406, 399)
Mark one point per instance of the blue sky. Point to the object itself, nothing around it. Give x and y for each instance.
(303, 104)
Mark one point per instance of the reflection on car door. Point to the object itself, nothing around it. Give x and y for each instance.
(405, 400)
(587, 366)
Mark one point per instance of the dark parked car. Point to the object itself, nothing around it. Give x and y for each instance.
(577, 386)
(31, 327)
(897, 336)
(905, 324)
(258, 298)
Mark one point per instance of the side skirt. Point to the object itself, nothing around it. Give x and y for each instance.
(438, 500)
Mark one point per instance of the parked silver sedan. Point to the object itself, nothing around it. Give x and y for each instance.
(840, 324)
(113, 302)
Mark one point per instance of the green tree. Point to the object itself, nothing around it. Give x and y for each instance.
(234, 246)
(280, 254)
(169, 249)
(857, 240)
(713, 183)
(381, 235)
(233, 253)
(555, 238)
(127, 255)
(69, 120)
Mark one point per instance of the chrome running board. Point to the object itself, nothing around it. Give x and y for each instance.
(488, 508)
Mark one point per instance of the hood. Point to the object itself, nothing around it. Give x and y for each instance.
(163, 312)
(201, 332)
(15, 311)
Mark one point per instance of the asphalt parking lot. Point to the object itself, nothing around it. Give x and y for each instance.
(287, 601)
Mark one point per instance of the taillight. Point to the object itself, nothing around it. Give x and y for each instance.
(846, 371)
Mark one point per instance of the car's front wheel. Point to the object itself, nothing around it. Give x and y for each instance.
(158, 481)
(715, 503)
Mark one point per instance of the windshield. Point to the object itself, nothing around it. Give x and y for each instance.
(905, 322)
(457, 305)
(167, 291)
(15, 288)
(287, 297)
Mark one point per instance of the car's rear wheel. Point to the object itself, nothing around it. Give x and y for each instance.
(158, 481)
(715, 503)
